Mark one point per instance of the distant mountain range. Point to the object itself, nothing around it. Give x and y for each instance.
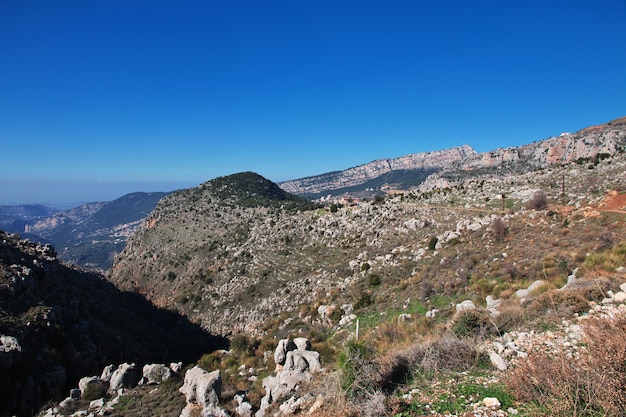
(446, 167)
(408, 170)
(14, 218)
(89, 235)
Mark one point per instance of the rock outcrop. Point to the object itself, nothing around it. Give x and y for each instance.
(202, 392)
(105, 391)
(296, 364)
(584, 145)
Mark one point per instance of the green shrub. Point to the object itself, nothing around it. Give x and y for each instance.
(240, 344)
(560, 302)
(357, 371)
(373, 279)
(471, 323)
(538, 202)
(94, 391)
(364, 300)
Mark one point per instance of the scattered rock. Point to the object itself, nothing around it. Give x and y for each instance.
(491, 402)
(155, 374)
(202, 387)
(244, 408)
(9, 344)
(92, 384)
(280, 354)
(298, 367)
(523, 294)
(498, 361)
(125, 376)
(432, 313)
(404, 317)
(493, 305)
(466, 305)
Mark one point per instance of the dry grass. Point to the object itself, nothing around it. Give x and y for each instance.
(605, 262)
(562, 303)
(591, 383)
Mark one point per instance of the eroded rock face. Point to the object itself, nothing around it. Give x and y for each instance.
(298, 367)
(202, 391)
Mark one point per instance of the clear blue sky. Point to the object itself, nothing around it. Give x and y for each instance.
(102, 98)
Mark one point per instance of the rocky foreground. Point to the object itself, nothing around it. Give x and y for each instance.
(297, 366)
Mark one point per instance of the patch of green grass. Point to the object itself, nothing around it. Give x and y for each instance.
(457, 400)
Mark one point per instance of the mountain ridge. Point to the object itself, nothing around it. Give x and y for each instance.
(357, 175)
(448, 165)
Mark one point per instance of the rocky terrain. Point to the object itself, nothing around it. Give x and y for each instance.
(59, 323)
(234, 268)
(469, 299)
(587, 145)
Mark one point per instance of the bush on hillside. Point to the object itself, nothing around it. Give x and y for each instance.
(591, 383)
(538, 202)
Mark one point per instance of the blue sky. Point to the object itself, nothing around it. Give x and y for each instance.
(102, 98)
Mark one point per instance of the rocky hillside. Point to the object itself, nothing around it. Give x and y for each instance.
(238, 265)
(363, 176)
(90, 235)
(585, 146)
(449, 301)
(58, 324)
(452, 289)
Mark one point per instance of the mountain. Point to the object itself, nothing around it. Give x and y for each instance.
(193, 244)
(226, 255)
(444, 168)
(411, 167)
(90, 235)
(14, 218)
(584, 146)
(450, 300)
(59, 323)
(235, 258)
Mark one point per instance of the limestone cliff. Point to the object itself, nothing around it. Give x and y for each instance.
(583, 146)
(362, 173)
